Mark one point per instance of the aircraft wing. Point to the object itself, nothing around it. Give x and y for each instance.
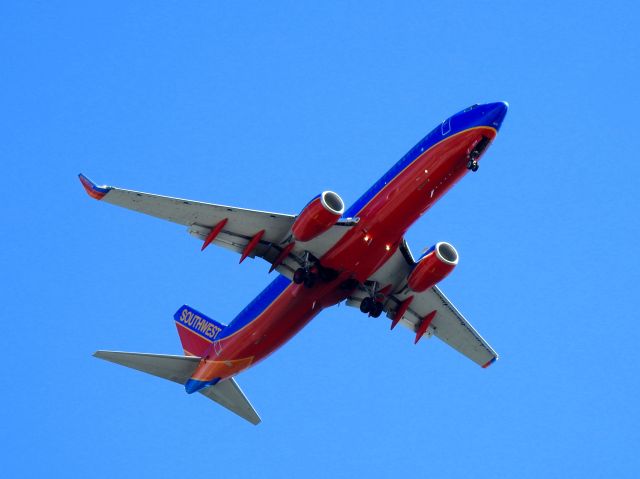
(447, 323)
(237, 227)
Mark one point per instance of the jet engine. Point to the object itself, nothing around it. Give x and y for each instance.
(318, 216)
(433, 267)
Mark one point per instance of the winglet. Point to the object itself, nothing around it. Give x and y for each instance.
(489, 363)
(93, 190)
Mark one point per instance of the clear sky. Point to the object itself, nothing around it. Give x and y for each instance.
(263, 105)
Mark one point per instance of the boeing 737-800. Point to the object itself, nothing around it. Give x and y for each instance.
(323, 256)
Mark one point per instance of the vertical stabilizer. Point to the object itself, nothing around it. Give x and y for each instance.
(196, 331)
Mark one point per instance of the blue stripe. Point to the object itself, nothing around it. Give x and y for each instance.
(257, 306)
(426, 253)
(477, 115)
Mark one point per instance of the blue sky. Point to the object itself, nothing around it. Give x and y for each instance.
(263, 106)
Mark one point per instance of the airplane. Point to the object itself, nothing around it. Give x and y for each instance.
(323, 256)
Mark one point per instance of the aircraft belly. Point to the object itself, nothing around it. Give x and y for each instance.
(279, 322)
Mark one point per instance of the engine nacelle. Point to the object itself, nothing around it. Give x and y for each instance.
(433, 267)
(318, 216)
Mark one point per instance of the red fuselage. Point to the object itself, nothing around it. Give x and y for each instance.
(383, 219)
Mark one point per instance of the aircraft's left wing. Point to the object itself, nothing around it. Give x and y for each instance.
(247, 232)
(427, 313)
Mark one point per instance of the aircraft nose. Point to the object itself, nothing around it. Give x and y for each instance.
(496, 113)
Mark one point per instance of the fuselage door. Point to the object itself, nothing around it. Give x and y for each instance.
(445, 128)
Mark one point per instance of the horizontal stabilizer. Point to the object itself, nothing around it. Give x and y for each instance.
(167, 366)
(179, 369)
(228, 394)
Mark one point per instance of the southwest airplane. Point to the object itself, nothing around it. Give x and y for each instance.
(324, 255)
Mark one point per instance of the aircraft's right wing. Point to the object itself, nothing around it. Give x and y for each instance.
(428, 313)
(232, 228)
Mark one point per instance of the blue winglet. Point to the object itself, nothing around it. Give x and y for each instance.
(93, 190)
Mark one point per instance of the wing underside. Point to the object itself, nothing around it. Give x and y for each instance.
(238, 226)
(445, 321)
